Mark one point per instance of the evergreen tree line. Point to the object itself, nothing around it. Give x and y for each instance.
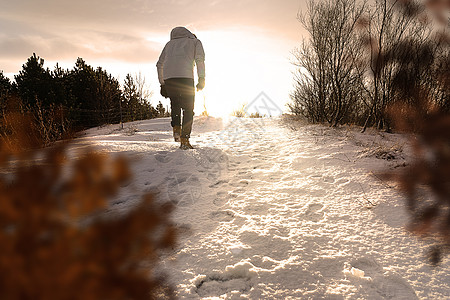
(65, 101)
(361, 58)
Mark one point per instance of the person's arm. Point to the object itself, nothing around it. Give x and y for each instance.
(160, 66)
(200, 62)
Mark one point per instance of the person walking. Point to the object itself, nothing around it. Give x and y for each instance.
(176, 76)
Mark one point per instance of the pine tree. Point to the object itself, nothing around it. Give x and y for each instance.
(135, 99)
(131, 99)
(5, 85)
(108, 95)
(5, 90)
(61, 88)
(81, 82)
(160, 109)
(35, 83)
(96, 95)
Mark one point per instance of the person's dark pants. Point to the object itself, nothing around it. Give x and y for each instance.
(182, 96)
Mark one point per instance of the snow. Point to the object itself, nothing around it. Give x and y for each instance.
(273, 208)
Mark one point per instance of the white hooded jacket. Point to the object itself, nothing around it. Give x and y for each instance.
(179, 56)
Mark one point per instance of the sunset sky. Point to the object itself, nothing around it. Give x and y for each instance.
(248, 43)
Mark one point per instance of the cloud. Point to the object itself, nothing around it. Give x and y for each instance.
(89, 45)
(117, 46)
(131, 31)
(19, 47)
(153, 15)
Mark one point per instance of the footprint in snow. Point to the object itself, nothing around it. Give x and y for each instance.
(162, 157)
(240, 183)
(313, 208)
(302, 163)
(219, 201)
(183, 188)
(223, 215)
(263, 262)
(268, 245)
(218, 183)
(313, 212)
(374, 279)
(184, 230)
(221, 198)
(328, 179)
(235, 278)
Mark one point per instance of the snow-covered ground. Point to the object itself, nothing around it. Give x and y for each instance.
(272, 208)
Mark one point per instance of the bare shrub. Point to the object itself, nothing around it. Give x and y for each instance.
(327, 85)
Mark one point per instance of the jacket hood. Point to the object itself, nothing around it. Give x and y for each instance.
(181, 32)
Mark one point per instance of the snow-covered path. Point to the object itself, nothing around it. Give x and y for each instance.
(265, 211)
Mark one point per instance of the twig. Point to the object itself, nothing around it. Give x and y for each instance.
(364, 197)
(381, 179)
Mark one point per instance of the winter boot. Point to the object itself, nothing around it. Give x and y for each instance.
(177, 133)
(185, 145)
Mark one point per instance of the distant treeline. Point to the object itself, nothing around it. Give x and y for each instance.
(65, 101)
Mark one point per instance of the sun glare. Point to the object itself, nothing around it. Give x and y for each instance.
(239, 66)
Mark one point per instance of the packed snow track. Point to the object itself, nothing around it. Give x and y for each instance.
(274, 209)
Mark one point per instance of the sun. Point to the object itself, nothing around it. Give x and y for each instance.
(229, 74)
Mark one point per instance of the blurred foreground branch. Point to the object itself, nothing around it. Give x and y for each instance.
(57, 241)
(426, 182)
